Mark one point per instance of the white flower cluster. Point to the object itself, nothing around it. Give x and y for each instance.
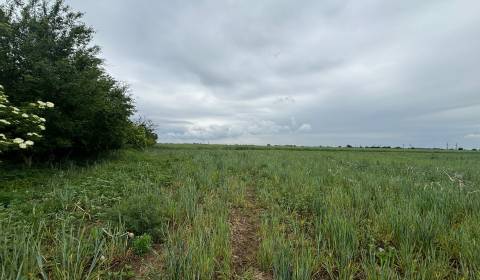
(43, 105)
(22, 144)
(14, 120)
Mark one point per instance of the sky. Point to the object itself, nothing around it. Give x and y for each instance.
(330, 72)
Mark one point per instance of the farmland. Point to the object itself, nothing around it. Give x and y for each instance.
(244, 212)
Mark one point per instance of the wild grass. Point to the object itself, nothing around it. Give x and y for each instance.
(326, 214)
(396, 216)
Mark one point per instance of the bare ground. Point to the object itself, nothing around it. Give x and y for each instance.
(244, 228)
(152, 262)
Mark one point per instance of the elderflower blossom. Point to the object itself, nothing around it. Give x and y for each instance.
(34, 134)
(30, 120)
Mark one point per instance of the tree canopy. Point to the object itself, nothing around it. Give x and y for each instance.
(46, 53)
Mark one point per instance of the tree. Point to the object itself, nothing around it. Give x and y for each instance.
(46, 54)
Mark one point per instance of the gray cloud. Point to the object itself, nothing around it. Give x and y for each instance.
(347, 72)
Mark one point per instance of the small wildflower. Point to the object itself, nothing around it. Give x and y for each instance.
(25, 115)
(18, 140)
(29, 143)
(102, 258)
(131, 235)
(41, 127)
(22, 145)
(49, 104)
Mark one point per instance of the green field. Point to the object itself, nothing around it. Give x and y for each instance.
(244, 212)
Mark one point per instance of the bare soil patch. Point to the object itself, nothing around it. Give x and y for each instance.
(244, 228)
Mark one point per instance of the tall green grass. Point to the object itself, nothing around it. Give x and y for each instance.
(379, 217)
(325, 214)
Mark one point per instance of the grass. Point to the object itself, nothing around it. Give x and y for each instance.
(325, 214)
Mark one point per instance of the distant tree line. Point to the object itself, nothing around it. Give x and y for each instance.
(46, 53)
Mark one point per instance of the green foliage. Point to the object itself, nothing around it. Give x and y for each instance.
(46, 54)
(141, 134)
(143, 213)
(20, 127)
(142, 244)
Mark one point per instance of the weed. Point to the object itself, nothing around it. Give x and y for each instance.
(142, 244)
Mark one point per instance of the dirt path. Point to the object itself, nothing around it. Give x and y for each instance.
(244, 227)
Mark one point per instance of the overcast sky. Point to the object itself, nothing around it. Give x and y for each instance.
(331, 72)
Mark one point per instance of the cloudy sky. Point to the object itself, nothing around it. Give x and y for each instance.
(331, 72)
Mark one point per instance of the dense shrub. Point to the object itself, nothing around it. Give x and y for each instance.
(141, 134)
(46, 53)
(21, 127)
(145, 213)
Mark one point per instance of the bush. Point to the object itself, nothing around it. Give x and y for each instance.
(141, 134)
(20, 127)
(143, 214)
(46, 53)
(142, 244)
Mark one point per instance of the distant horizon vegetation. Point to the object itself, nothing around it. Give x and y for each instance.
(348, 146)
